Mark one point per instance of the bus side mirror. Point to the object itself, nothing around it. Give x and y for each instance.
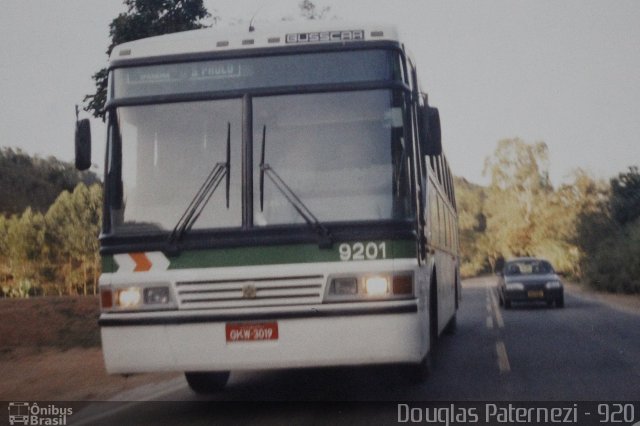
(83, 144)
(432, 138)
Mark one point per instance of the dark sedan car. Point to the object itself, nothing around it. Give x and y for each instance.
(529, 280)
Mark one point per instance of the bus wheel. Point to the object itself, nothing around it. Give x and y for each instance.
(209, 382)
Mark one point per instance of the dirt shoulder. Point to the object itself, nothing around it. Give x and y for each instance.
(629, 303)
(52, 374)
(50, 351)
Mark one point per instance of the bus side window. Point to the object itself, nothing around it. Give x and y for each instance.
(439, 169)
(450, 231)
(440, 222)
(447, 230)
(433, 208)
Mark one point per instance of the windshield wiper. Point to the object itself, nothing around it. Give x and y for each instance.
(204, 194)
(324, 236)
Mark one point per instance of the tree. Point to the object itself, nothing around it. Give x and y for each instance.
(31, 181)
(73, 224)
(472, 225)
(625, 196)
(5, 271)
(518, 195)
(608, 236)
(308, 10)
(24, 241)
(145, 18)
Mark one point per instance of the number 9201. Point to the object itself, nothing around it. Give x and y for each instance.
(362, 251)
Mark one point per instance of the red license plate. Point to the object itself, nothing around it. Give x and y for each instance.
(251, 331)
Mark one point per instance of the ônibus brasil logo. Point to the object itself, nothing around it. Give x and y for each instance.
(26, 413)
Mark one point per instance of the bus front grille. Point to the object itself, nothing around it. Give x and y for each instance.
(253, 292)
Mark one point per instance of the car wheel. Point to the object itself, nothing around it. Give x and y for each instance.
(507, 304)
(209, 382)
(560, 302)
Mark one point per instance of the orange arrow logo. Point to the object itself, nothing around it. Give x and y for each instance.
(143, 263)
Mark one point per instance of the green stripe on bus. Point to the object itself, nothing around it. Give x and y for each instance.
(277, 255)
(108, 264)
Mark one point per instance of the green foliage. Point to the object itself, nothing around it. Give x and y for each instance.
(472, 225)
(587, 229)
(520, 213)
(145, 18)
(625, 196)
(24, 237)
(56, 252)
(612, 265)
(21, 289)
(308, 10)
(72, 229)
(518, 201)
(34, 182)
(609, 237)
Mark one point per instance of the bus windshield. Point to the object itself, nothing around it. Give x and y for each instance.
(341, 153)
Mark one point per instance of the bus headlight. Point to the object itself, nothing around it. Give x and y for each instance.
(145, 296)
(376, 286)
(344, 286)
(156, 296)
(129, 298)
(367, 287)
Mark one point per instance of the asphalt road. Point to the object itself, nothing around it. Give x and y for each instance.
(586, 351)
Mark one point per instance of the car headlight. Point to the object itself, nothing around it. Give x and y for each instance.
(553, 284)
(515, 286)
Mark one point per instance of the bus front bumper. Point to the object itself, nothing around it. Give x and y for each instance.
(319, 336)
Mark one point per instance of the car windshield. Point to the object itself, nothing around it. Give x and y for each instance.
(528, 267)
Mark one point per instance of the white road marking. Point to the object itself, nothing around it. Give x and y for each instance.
(496, 309)
(503, 358)
(489, 322)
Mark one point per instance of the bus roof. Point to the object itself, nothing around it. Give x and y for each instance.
(213, 40)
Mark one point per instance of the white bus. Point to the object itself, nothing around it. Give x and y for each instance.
(275, 198)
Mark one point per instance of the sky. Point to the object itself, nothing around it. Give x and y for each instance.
(565, 73)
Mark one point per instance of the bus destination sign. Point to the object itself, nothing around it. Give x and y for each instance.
(184, 72)
(325, 36)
